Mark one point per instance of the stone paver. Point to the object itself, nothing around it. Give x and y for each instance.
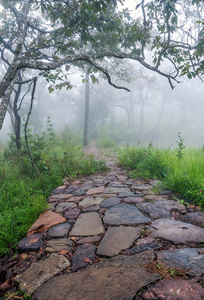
(133, 199)
(196, 218)
(160, 209)
(97, 190)
(175, 289)
(57, 245)
(117, 239)
(58, 231)
(31, 243)
(187, 259)
(90, 201)
(62, 207)
(46, 220)
(88, 224)
(177, 232)
(115, 190)
(110, 202)
(124, 214)
(117, 278)
(40, 272)
(84, 255)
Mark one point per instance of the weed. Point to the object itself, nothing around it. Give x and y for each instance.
(180, 146)
(164, 271)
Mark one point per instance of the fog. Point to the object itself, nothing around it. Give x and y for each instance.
(150, 113)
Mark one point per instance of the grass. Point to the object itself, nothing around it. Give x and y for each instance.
(183, 173)
(23, 191)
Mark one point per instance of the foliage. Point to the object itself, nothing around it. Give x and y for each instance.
(104, 139)
(184, 176)
(23, 192)
(180, 147)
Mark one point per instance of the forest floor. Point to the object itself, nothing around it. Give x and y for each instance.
(110, 237)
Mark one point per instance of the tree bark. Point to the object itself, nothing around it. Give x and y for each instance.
(86, 111)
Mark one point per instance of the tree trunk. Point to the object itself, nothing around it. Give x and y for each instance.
(86, 112)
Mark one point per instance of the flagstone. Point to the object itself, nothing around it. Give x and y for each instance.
(118, 278)
(97, 190)
(91, 208)
(110, 202)
(117, 239)
(196, 218)
(31, 243)
(127, 194)
(72, 213)
(90, 201)
(89, 239)
(133, 199)
(176, 231)
(46, 220)
(63, 206)
(59, 197)
(87, 224)
(187, 259)
(58, 231)
(160, 209)
(57, 245)
(40, 272)
(115, 190)
(124, 214)
(84, 255)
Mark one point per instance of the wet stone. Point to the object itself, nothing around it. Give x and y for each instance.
(84, 255)
(196, 218)
(90, 201)
(160, 209)
(40, 272)
(133, 200)
(117, 278)
(72, 213)
(187, 259)
(175, 289)
(87, 224)
(117, 239)
(91, 208)
(58, 231)
(124, 214)
(31, 243)
(128, 194)
(57, 245)
(89, 239)
(177, 232)
(115, 190)
(63, 206)
(110, 202)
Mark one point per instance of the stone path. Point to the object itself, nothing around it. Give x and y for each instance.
(109, 237)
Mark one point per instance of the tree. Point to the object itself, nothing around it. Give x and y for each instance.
(46, 35)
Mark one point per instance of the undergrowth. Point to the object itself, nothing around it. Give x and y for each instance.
(183, 173)
(23, 191)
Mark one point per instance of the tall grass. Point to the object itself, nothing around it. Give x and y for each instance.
(23, 192)
(181, 174)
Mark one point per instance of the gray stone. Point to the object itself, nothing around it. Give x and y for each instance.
(63, 206)
(90, 240)
(160, 209)
(91, 208)
(79, 192)
(87, 224)
(110, 202)
(72, 213)
(177, 232)
(124, 214)
(133, 200)
(196, 218)
(84, 255)
(117, 239)
(187, 259)
(40, 272)
(127, 194)
(58, 231)
(117, 278)
(57, 245)
(31, 243)
(115, 190)
(175, 289)
(141, 187)
(155, 198)
(90, 201)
